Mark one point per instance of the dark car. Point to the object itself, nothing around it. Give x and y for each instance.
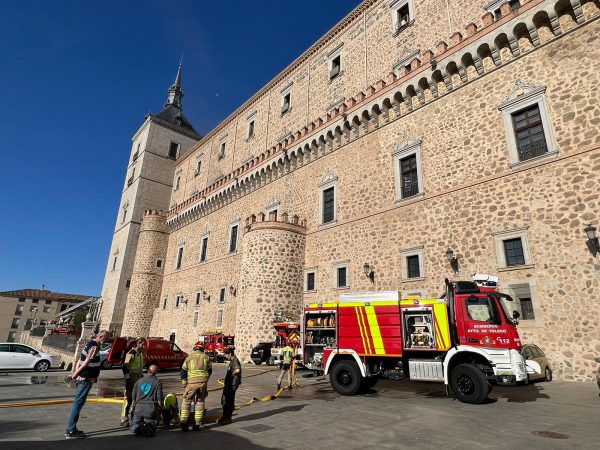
(261, 353)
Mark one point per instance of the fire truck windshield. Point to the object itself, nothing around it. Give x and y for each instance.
(503, 300)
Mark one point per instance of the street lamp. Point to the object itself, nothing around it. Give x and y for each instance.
(453, 260)
(592, 242)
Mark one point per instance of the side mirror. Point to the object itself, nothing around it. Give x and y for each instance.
(33, 352)
(516, 314)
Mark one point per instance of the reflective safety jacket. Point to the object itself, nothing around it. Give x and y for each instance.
(287, 354)
(134, 364)
(196, 368)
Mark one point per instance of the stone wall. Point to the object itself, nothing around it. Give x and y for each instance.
(147, 278)
(471, 191)
(270, 281)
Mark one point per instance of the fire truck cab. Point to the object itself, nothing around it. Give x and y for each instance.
(287, 333)
(465, 339)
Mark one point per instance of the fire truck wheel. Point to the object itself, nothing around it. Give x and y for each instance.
(469, 384)
(345, 378)
(368, 383)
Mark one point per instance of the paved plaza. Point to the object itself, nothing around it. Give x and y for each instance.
(392, 415)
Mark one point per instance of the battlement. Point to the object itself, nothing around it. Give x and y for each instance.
(285, 222)
(154, 212)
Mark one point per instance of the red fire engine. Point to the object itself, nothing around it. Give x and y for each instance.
(288, 333)
(215, 344)
(465, 339)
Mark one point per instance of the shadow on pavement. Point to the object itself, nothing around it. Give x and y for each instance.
(265, 414)
(520, 394)
(163, 439)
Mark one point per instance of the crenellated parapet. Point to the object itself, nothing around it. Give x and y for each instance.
(263, 221)
(464, 57)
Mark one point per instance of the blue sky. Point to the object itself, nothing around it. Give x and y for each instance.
(77, 79)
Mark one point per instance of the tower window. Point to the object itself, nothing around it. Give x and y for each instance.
(198, 297)
(529, 133)
(233, 239)
(336, 67)
(114, 266)
(179, 258)
(250, 128)
(204, 249)
(286, 99)
(402, 14)
(222, 295)
(198, 167)
(177, 181)
(174, 150)
(159, 263)
(222, 147)
(328, 212)
(127, 284)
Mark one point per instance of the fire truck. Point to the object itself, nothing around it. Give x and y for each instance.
(466, 339)
(215, 344)
(287, 333)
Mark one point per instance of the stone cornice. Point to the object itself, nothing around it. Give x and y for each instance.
(173, 127)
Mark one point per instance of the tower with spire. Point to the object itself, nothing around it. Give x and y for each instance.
(159, 142)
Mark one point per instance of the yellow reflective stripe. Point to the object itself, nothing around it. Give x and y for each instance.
(197, 373)
(442, 326)
(375, 331)
(362, 336)
(363, 330)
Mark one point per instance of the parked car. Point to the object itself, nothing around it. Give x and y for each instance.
(104, 351)
(163, 353)
(261, 353)
(20, 356)
(533, 352)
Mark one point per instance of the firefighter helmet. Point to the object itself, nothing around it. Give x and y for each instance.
(199, 346)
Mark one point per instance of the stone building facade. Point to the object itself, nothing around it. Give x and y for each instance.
(408, 133)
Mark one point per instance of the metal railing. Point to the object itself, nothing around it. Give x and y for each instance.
(65, 342)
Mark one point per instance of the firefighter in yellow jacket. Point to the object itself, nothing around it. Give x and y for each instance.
(195, 372)
(133, 370)
(287, 359)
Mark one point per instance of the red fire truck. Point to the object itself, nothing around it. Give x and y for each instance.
(215, 344)
(288, 333)
(465, 339)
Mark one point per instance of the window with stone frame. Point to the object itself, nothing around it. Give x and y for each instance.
(411, 264)
(222, 147)
(178, 300)
(114, 266)
(195, 324)
(524, 300)
(159, 263)
(198, 298)
(407, 169)
(19, 310)
(310, 280)
(286, 100)
(220, 313)
(174, 150)
(179, 261)
(512, 249)
(335, 62)
(402, 15)
(233, 237)
(527, 124)
(251, 121)
(222, 294)
(165, 302)
(15, 323)
(341, 273)
(198, 167)
(204, 249)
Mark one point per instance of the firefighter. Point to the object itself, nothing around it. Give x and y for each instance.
(133, 369)
(287, 358)
(170, 410)
(233, 379)
(195, 372)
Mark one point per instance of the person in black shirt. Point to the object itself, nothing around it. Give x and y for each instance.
(233, 379)
(85, 374)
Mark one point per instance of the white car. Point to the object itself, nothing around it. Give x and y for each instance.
(21, 356)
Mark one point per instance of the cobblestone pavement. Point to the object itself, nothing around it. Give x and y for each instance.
(392, 415)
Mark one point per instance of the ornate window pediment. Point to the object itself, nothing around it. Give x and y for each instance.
(329, 177)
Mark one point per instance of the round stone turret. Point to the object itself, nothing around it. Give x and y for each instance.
(271, 278)
(147, 277)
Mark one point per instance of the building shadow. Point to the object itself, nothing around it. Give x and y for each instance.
(210, 439)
